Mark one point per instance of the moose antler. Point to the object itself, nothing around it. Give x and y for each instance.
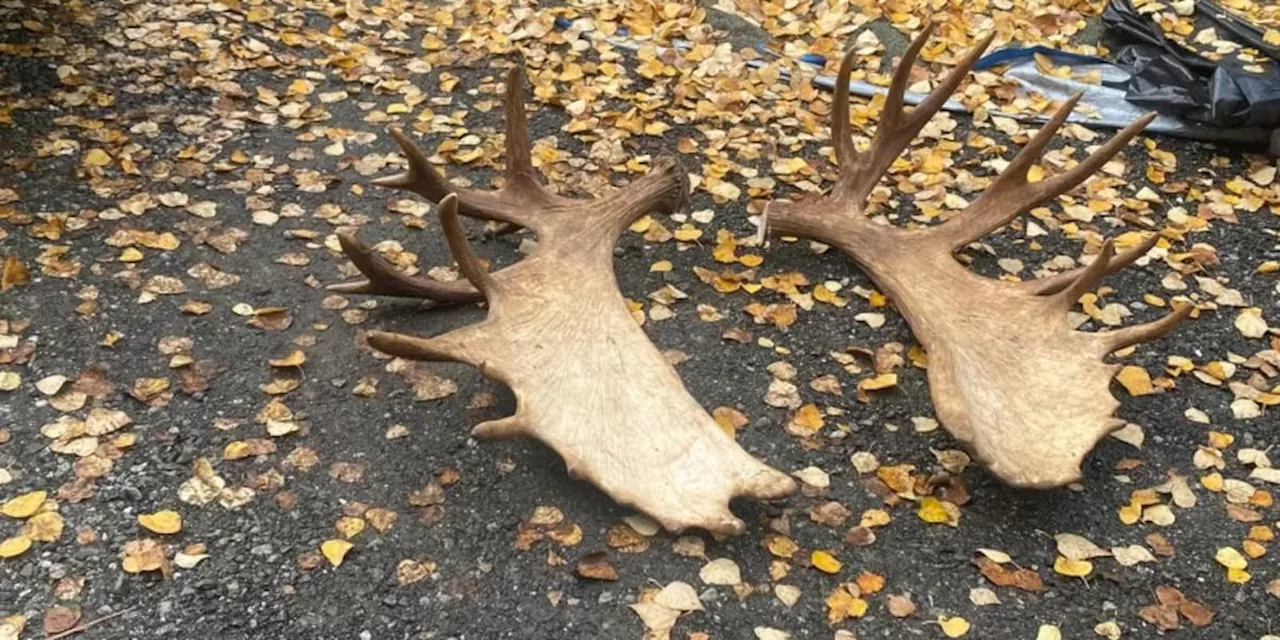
(1009, 378)
(587, 381)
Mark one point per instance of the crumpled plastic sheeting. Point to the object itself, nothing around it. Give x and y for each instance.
(1175, 81)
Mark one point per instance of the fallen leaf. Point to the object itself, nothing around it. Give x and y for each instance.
(1135, 380)
(14, 547)
(935, 511)
(721, 571)
(900, 606)
(335, 550)
(25, 505)
(953, 626)
(679, 596)
(825, 562)
(596, 566)
(143, 555)
(1250, 323)
(1076, 547)
(163, 522)
(1072, 568)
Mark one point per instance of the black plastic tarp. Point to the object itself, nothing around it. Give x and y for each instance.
(1176, 81)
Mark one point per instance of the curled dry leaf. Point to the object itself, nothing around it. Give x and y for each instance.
(596, 566)
(143, 555)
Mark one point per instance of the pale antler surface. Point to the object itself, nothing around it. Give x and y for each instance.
(1009, 377)
(587, 380)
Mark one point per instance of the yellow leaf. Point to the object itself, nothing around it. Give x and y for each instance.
(1130, 513)
(782, 546)
(875, 518)
(751, 260)
(1072, 568)
(14, 547)
(808, 418)
(9, 380)
(935, 511)
(661, 266)
(25, 505)
(1238, 576)
(294, 359)
(825, 562)
(1035, 173)
(43, 527)
(163, 522)
(641, 225)
(1230, 558)
(844, 603)
(97, 157)
(335, 550)
(1220, 440)
(1136, 380)
(953, 627)
(349, 527)
(788, 166)
(882, 381)
(1271, 37)
(687, 233)
(236, 450)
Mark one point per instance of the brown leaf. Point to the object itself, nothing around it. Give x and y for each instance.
(429, 495)
(59, 619)
(1024, 579)
(13, 274)
(622, 537)
(1167, 595)
(860, 536)
(1160, 545)
(348, 472)
(93, 382)
(832, 513)
(1195, 612)
(900, 606)
(596, 566)
(1165, 617)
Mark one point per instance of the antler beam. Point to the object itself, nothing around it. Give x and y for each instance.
(1027, 394)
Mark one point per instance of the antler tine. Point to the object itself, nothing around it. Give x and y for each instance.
(841, 139)
(1017, 169)
(456, 238)
(1054, 284)
(421, 178)
(381, 278)
(897, 128)
(1087, 277)
(1010, 196)
(891, 116)
(520, 173)
(459, 345)
(1121, 338)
